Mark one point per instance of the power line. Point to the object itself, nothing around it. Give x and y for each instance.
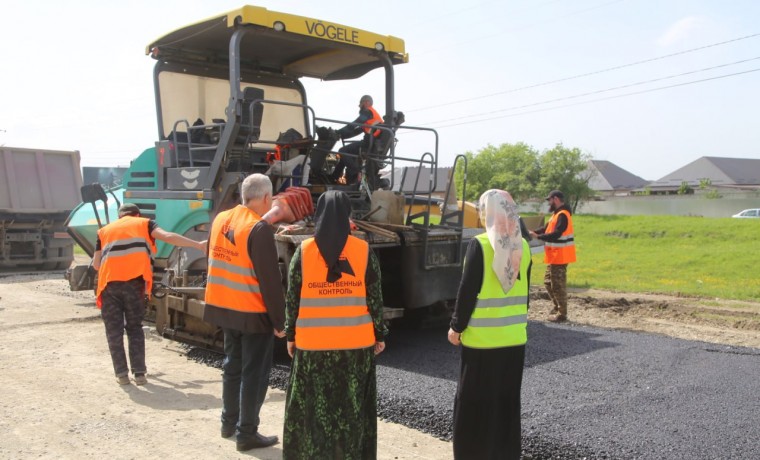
(590, 93)
(434, 19)
(437, 17)
(588, 74)
(448, 47)
(602, 99)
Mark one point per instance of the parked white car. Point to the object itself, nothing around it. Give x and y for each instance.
(748, 213)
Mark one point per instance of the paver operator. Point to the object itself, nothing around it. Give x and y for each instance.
(351, 162)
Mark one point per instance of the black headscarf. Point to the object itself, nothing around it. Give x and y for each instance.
(331, 231)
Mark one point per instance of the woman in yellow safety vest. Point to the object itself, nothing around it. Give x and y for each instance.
(490, 322)
(334, 328)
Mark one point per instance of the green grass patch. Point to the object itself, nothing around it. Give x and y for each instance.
(693, 256)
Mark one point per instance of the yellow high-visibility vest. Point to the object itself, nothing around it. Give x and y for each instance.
(500, 319)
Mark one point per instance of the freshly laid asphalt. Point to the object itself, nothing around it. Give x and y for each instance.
(589, 393)
(594, 393)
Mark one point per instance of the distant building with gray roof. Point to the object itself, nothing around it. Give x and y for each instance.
(607, 178)
(717, 172)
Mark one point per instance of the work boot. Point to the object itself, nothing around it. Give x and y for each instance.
(558, 318)
(228, 430)
(140, 379)
(254, 441)
(123, 380)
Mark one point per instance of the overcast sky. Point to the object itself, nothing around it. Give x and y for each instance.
(650, 85)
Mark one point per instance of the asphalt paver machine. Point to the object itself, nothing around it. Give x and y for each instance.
(230, 102)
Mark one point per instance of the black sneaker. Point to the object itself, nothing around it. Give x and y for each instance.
(254, 441)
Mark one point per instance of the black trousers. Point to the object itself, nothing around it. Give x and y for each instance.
(247, 364)
(349, 163)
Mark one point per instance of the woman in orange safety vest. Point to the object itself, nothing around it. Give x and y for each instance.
(334, 328)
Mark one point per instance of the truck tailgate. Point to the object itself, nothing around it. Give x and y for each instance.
(38, 181)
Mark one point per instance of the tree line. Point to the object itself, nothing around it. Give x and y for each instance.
(527, 173)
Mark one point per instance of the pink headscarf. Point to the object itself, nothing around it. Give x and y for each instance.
(498, 213)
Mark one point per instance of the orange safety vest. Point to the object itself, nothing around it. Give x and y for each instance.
(376, 118)
(232, 281)
(562, 251)
(334, 316)
(126, 253)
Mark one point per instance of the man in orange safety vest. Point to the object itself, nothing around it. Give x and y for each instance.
(124, 260)
(559, 250)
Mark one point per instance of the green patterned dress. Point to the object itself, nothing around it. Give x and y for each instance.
(331, 404)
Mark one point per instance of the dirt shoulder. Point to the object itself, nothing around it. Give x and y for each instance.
(60, 398)
(728, 322)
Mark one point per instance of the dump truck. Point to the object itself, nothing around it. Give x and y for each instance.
(230, 102)
(38, 190)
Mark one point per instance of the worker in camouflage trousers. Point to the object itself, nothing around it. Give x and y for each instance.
(559, 250)
(124, 260)
(123, 307)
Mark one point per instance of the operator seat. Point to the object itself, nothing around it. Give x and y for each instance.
(250, 119)
(378, 151)
(239, 156)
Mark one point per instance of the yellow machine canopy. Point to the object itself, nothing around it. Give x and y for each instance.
(281, 43)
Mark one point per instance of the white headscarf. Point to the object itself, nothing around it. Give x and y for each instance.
(498, 213)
